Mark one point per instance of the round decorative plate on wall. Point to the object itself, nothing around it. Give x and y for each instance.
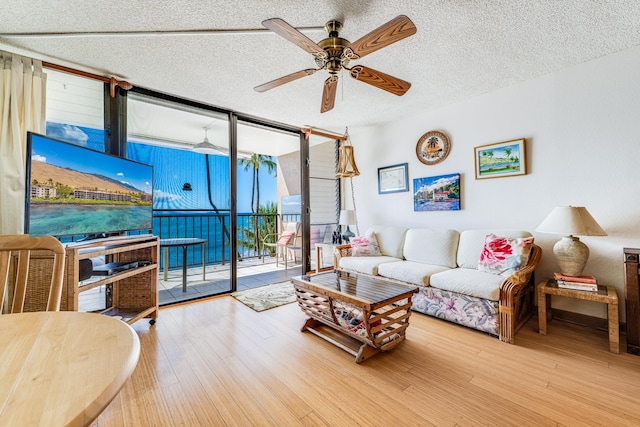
(433, 147)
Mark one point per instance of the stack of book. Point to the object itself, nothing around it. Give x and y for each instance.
(580, 283)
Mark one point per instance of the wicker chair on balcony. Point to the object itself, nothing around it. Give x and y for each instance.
(15, 254)
(288, 239)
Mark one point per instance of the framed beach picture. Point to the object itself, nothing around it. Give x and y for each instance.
(500, 159)
(393, 179)
(437, 193)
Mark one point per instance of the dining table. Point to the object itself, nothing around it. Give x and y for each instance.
(62, 368)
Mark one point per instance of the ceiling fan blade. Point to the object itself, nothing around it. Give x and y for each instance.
(285, 79)
(380, 80)
(391, 32)
(329, 93)
(288, 32)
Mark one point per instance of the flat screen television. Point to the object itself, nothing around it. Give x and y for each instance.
(76, 191)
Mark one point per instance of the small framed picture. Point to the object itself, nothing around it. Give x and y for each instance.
(500, 159)
(437, 193)
(393, 179)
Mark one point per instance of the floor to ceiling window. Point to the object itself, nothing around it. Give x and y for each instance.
(191, 197)
(268, 187)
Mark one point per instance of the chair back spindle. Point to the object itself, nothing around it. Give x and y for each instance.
(18, 247)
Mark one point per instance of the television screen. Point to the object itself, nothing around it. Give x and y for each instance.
(73, 190)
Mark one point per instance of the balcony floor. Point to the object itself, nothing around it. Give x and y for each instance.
(252, 273)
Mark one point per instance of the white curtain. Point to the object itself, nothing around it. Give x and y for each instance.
(22, 109)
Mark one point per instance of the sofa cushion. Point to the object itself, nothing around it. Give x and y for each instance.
(416, 273)
(366, 245)
(390, 239)
(364, 264)
(472, 241)
(438, 247)
(469, 281)
(504, 256)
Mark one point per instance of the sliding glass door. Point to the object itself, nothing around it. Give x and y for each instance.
(268, 202)
(191, 192)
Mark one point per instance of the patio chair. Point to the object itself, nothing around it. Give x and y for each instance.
(287, 239)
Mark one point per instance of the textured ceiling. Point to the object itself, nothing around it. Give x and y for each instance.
(461, 48)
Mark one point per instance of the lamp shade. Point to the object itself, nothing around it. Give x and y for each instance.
(347, 217)
(205, 147)
(346, 163)
(571, 220)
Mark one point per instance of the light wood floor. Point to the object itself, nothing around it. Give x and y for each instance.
(219, 363)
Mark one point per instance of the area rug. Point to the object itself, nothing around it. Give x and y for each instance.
(266, 297)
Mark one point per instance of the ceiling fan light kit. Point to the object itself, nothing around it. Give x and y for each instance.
(206, 147)
(335, 53)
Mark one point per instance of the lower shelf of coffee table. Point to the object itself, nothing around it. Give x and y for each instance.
(337, 336)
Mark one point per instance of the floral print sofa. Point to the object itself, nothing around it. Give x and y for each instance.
(482, 279)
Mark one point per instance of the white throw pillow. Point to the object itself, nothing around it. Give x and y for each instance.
(366, 245)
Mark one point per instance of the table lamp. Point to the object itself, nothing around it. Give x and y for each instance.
(570, 253)
(347, 217)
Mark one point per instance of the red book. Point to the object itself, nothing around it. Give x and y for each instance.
(581, 279)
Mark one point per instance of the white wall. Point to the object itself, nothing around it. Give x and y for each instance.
(582, 130)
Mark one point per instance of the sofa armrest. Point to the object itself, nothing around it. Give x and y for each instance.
(341, 251)
(514, 308)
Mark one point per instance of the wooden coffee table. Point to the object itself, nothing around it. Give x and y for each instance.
(370, 314)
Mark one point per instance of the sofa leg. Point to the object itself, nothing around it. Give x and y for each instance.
(507, 325)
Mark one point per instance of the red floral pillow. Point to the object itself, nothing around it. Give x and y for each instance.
(504, 256)
(365, 245)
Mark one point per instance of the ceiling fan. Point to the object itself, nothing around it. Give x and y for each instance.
(335, 53)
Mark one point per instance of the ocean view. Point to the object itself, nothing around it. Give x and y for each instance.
(77, 218)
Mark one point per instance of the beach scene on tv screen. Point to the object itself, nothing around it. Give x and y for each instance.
(78, 191)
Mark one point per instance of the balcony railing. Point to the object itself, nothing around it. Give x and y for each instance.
(215, 228)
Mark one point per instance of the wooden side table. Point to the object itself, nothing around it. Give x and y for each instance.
(605, 294)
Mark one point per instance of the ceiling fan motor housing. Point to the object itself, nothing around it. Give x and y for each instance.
(334, 46)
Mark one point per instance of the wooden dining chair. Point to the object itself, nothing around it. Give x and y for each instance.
(15, 255)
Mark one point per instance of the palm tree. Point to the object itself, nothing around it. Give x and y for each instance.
(507, 151)
(254, 162)
(263, 226)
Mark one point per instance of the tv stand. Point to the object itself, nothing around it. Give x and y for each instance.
(131, 294)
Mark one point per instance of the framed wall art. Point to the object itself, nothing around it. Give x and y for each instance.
(500, 159)
(393, 179)
(433, 147)
(437, 193)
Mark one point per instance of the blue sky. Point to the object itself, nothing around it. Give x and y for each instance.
(77, 158)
